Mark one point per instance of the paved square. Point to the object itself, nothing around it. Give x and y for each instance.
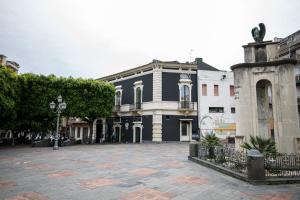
(121, 171)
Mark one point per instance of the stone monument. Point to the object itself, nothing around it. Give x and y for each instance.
(265, 94)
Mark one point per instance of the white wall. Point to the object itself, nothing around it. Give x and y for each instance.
(217, 120)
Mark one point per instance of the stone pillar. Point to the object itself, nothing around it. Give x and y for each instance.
(157, 127)
(193, 149)
(157, 98)
(157, 84)
(255, 165)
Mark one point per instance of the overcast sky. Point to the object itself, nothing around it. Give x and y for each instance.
(93, 38)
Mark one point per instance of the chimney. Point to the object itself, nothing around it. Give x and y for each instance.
(198, 60)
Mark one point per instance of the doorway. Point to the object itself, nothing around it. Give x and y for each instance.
(185, 131)
(137, 134)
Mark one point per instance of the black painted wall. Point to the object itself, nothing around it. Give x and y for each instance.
(128, 88)
(170, 89)
(147, 127)
(127, 135)
(171, 126)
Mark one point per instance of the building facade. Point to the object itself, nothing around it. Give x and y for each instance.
(216, 106)
(10, 64)
(154, 102)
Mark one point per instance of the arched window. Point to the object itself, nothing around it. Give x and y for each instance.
(138, 98)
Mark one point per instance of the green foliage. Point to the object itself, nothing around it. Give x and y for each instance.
(8, 97)
(85, 98)
(211, 141)
(264, 146)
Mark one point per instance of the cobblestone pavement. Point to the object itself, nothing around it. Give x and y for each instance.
(121, 171)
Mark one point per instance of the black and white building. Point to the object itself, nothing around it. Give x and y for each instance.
(154, 102)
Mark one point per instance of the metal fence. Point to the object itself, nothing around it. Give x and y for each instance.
(283, 165)
(225, 156)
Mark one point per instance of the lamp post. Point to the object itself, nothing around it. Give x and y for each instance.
(57, 108)
(201, 120)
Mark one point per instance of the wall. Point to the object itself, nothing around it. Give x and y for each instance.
(218, 121)
(128, 88)
(170, 86)
(171, 126)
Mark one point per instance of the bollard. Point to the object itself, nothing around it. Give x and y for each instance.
(193, 149)
(255, 165)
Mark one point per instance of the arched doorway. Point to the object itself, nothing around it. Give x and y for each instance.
(265, 117)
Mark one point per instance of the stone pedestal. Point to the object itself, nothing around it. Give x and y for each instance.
(255, 165)
(193, 149)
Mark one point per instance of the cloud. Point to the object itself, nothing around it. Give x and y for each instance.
(95, 38)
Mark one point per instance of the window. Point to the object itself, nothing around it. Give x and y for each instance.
(167, 117)
(138, 98)
(216, 109)
(232, 109)
(118, 98)
(185, 93)
(216, 90)
(231, 90)
(204, 90)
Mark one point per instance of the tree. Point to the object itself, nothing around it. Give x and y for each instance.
(86, 98)
(89, 99)
(211, 141)
(265, 146)
(8, 97)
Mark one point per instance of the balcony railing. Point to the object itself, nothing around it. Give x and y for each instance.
(186, 105)
(136, 106)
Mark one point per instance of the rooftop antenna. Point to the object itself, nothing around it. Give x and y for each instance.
(190, 53)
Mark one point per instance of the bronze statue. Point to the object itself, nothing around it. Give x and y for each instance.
(259, 34)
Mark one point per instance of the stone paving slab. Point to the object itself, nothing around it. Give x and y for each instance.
(122, 171)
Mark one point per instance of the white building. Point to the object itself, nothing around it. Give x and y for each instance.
(216, 107)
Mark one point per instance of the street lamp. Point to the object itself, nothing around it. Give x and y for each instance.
(59, 108)
(204, 117)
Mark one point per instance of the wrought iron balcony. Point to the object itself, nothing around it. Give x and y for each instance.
(186, 105)
(135, 107)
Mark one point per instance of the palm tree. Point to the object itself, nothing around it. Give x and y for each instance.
(264, 146)
(211, 141)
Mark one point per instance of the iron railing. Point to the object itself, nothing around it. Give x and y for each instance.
(283, 165)
(136, 106)
(186, 105)
(225, 156)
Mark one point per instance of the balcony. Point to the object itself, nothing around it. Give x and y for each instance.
(135, 107)
(186, 105)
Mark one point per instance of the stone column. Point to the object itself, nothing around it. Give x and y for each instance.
(157, 99)
(157, 127)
